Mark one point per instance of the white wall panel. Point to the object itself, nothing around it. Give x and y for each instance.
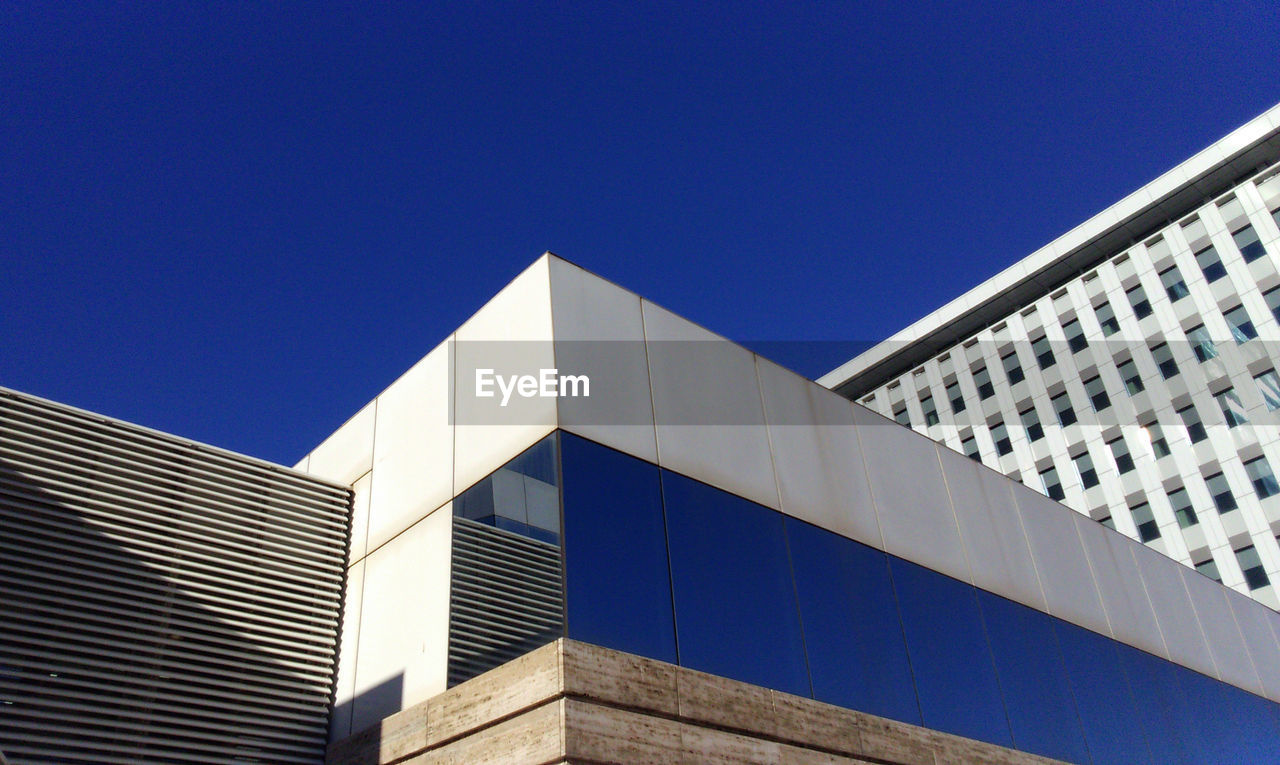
(1225, 642)
(1123, 595)
(816, 455)
(994, 542)
(512, 335)
(911, 499)
(1178, 623)
(1060, 562)
(404, 621)
(362, 491)
(1264, 649)
(599, 332)
(413, 448)
(706, 401)
(348, 453)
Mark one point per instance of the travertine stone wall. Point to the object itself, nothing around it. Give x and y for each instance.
(571, 702)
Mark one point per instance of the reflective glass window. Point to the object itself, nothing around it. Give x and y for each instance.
(522, 496)
(1043, 353)
(1062, 408)
(1250, 246)
(1228, 724)
(1084, 466)
(1269, 385)
(1242, 328)
(1160, 709)
(1107, 319)
(1120, 451)
(615, 551)
(1232, 407)
(1000, 436)
(1264, 481)
(1180, 501)
(1033, 679)
(1129, 374)
(955, 397)
(736, 612)
(1097, 393)
(1195, 428)
(1052, 486)
(1171, 278)
(1210, 264)
(901, 417)
(1075, 336)
(1210, 569)
(1272, 296)
(950, 656)
(1145, 520)
(1202, 344)
(969, 445)
(1255, 574)
(1164, 360)
(1031, 423)
(930, 411)
(1138, 300)
(853, 634)
(982, 379)
(1012, 367)
(1155, 437)
(1220, 490)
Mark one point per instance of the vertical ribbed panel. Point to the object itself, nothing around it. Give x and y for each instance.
(505, 598)
(160, 601)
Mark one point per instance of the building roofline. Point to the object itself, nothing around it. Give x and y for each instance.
(1240, 154)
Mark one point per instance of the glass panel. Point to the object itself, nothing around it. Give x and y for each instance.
(1269, 385)
(970, 448)
(616, 572)
(521, 496)
(1255, 575)
(1264, 481)
(736, 612)
(1132, 380)
(1238, 729)
(1180, 500)
(1062, 407)
(950, 655)
(1247, 241)
(1241, 325)
(1209, 263)
(1173, 284)
(1107, 319)
(1075, 336)
(1155, 437)
(1052, 486)
(1012, 368)
(1138, 300)
(1043, 353)
(1164, 360)
(1160, 708)
(852, 630)
(1097, 394)
(1031, 423)
(982, 379)
(930, 411)
(1145, 520)
(1195, 428)
(1272, 297)
(1000, 436)
(1037, 693)
(955, 397)
(1210, 569)
(1232, 408)
(1220, 490)
(1120, 451)
(1084, 466)
(901, 417)
(1202, 344)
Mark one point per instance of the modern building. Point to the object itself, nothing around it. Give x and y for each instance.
(161, 600)
(735, 563)
(1127, 369)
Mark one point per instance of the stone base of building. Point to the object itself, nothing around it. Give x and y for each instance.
(570, 702)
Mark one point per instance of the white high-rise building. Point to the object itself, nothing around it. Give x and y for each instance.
(1128, 368)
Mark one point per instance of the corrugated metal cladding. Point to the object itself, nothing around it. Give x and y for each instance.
(506, 598)
(160, 601)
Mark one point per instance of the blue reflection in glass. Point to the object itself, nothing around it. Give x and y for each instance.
(1103, 698)
(736, 613)
(615, 551)
(1228, 724)
(1160, 705)
(521, 496)
(1037, 693)
(857, 654)
(955, 677)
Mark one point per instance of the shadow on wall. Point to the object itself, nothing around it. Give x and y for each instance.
(147, 634)
(375, 705)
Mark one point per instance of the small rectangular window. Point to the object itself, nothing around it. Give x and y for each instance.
(1171, 278)
(1132, 380)
(1043, 353)
(1272, 296)
(1249, 245)
(1241, 325)
(1269, 385)
(1155, 436)
(1097, 393)
(1107, 319)
(1000, 435)
(1180, 500)
(1031, 423)
(1012, 368)
(930, 411)
(1210, 264)
(1209, 569)
(1232, 408)
(1220, 490)
(955, 397)
(1062, 408)
(982, 379)
(1191, 420)
(1120, 452)
(1052, 486)
(1164, 361)
(1084, 466)
(1138, 300)
(1109, 522)
(1202, 344)
(901, 416)
(1264, 481)
(1148, 529)
(970, 448)
(1075, 336)
(1255, 575)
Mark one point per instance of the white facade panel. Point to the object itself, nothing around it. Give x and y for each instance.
(1263, 647)
(1177, 618)
(1060, 562)
(345, 690)
(816, 456)
(1226, 645)
(706, 429)
(1120, 585)
(348, 453)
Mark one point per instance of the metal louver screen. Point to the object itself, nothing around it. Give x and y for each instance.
(160, 601)
(505, 599)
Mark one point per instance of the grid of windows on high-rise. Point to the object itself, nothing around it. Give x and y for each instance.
(1211, 278)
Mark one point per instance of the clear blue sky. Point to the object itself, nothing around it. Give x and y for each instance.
(239, 223)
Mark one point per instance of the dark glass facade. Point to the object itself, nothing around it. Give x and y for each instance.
(660, 565)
